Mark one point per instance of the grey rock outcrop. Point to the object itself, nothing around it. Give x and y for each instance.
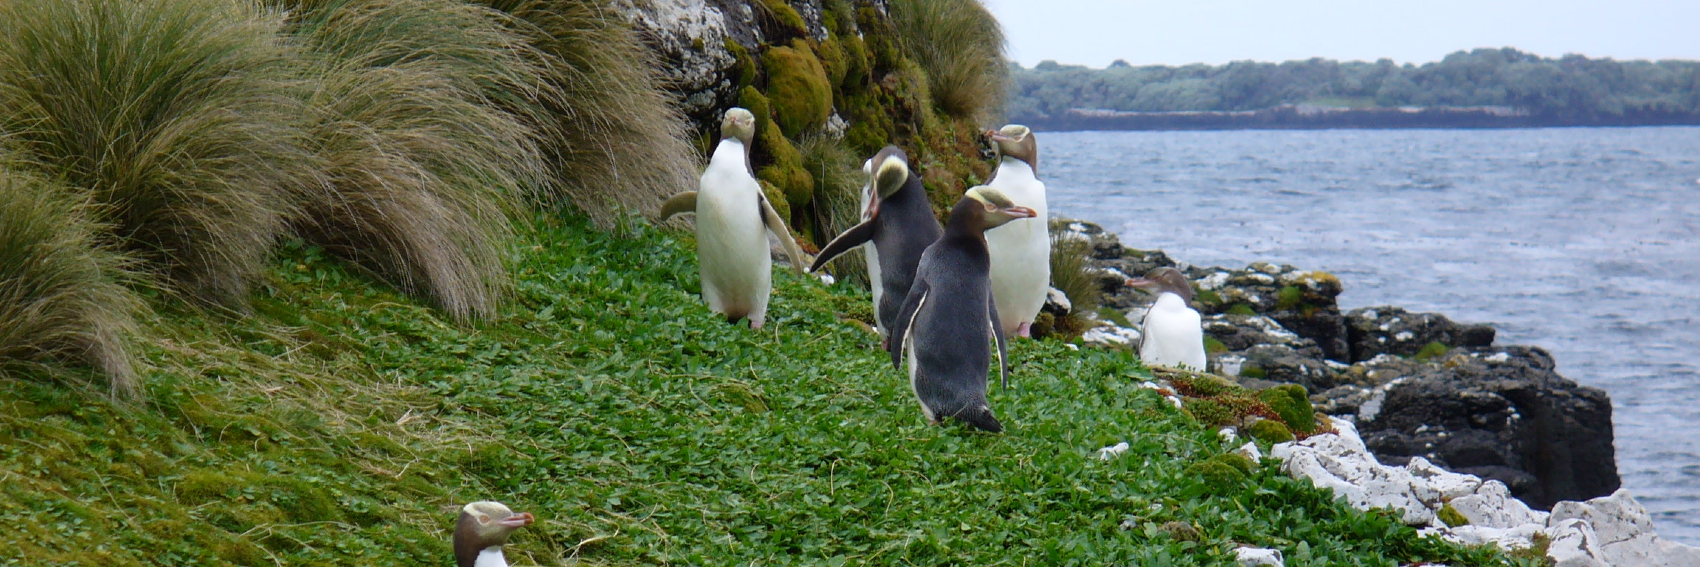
(1390, 330)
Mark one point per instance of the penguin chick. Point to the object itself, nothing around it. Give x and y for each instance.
(948, 315)
(899, 224)
(733, 219)
(1172, 333)
(482, 530)
(1021, 250)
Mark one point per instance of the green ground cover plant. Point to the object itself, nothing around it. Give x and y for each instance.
(343, 423)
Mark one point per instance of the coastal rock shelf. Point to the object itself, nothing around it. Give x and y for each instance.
(1421, 387)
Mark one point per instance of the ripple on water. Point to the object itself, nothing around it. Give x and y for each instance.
(1582, 241)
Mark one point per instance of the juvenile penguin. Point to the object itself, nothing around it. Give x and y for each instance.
(948, 315)
(1021, 250)
(733, 219)
(481, 532)
(897, 226)
(1172, 334)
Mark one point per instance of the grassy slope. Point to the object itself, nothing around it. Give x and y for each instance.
(344, 423)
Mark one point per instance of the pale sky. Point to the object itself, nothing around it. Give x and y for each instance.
(1178, 32)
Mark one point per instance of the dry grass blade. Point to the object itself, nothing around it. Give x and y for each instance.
(838, 190)
(616, 142)
(61, 293)
(960, 46)
(174, 114)
(420, 157)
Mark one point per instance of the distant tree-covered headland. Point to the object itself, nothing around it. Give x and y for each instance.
(1480, 88)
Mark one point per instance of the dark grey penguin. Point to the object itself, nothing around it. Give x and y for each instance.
(948, 315)
(482, 530)
(899, 222)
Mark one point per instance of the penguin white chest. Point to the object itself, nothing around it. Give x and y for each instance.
(1020, 250)
(490, 557)
(872, 259)
(1173, 335)
(732, 248)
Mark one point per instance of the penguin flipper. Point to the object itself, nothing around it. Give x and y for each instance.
(1003, 341)
(776, 226)
(856, 236)
(905, 317)
(685, 202)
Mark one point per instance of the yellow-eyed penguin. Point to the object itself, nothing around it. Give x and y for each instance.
(948, 315)
(733, 219)
(1021, 250)
(897, 226)
(481, 532)
(1172, 334)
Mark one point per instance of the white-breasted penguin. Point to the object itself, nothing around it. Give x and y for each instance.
(733, 219)
(481, 532)
(1172, 333)
(1021, 250)
(897, 227)
(948, 316)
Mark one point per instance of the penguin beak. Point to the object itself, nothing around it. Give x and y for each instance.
(1142, 284)
(1019, 212)
(997, 136)
(518, 520)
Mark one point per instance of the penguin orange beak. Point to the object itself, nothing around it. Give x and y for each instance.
(998, 136)
(519, 520)
(1142, 284)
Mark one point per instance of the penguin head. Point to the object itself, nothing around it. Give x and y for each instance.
(738, 123)
(1018, 142)
(1164, 279)
(890, 169)
(483, 525)
(995, 208)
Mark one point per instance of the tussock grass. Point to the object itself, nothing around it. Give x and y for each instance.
(839, 181)
(615, 141)
(62, 293)
(1073, 274)
(959, 45)
(174, 115)
(419, 156)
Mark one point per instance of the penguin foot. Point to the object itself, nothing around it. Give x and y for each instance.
(1024, 330)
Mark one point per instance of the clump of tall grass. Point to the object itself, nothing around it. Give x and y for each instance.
(615, 141)
(62, 294)
(1073, 274)
(839, 182)
(959, 44)
(175, 115)
(420, 153)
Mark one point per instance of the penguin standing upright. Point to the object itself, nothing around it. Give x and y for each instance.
(1021, 250)
(898, 222)
(733, 219)
(948, 315)
(1172, 334)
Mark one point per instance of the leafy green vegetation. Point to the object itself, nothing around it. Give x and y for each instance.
(1570, 89)
(343, 423)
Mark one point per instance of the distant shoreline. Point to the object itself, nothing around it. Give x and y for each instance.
(1291, 117)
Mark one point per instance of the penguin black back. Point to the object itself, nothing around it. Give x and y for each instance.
(901, 228)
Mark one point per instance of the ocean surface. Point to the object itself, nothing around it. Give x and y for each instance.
(1583, 241)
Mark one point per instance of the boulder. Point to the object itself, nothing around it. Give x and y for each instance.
(1375, 331)
(1501, 414)
(1622, 532)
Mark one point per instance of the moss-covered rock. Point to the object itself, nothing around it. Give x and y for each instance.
(1432, 350)
(1292, 403)
(798, 87)
(1269, 431)
(1221, 473)
(776, 197)
(757, 103)
(1181, 531)
(1209, 412)
(1452, 516)
(781, 20)
(832, 59)
(744, 67)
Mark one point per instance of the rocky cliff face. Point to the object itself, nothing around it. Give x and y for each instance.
(1415, 384)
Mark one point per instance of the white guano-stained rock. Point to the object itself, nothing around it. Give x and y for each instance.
(1259, 557)
(1573, 545)
(1492, 506)
(1623, 532)
(1341, 463)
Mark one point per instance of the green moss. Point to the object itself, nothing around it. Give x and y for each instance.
(1292, 403)
(855, 62)
(743, 66)
(776, 197)
(1536, 553)
(1206, 296)
(1203, 385)
(757, 103)
(1241, 309)
(1434, 349)
(832, 59)
(1237, 461)
(1114, 315)
(1044, 325)
(784, 17)
(881, 39)
(1209, 412)
(784, 169)
(1269, 431)
(1213, 346)
(1253, 371)
(1289, 297)
(1452, 517)
(798, 87)
(1216, 476)
(1181, 531)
